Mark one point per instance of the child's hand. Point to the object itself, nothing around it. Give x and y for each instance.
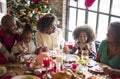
(66, 49)
(38, 50)
(77, 45)
(87, 47)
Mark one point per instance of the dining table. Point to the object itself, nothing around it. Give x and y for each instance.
(16, 69)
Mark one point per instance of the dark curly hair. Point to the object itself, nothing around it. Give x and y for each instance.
(46, 22)
(27, 28)
(87, 29)
(116, 27)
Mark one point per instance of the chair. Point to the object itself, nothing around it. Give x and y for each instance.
(97, 44)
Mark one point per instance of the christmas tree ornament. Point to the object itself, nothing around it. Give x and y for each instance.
(47, 1)
(88, 3)
(36, 1)
(29, 9)
(17, 0)
(44, 6)
(9, 9)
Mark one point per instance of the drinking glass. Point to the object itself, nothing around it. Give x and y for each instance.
(85, 54)
(22, 61)
(11, 61)
(59, 62)
(69, 44)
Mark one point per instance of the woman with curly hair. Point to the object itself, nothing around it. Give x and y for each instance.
(84, 40)
(46, 26)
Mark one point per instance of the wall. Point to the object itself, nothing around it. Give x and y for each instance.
(60, 7)
(3, 8)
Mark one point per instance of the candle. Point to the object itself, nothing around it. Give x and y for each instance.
(46, 61)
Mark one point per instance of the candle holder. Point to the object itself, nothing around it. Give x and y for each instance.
(46, 62)
(47, 75)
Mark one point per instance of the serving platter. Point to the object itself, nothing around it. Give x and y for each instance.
(70, 58)
(25, 77)
(96, 69)
(42, 68)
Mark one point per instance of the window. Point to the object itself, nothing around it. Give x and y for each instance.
(98, 16)
(2, 9)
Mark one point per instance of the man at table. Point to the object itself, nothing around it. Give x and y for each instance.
(8, 34)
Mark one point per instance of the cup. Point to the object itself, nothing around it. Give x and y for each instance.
(69, 44)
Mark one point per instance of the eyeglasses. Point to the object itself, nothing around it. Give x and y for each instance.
(53, 26)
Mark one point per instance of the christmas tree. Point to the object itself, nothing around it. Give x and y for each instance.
(28, 10)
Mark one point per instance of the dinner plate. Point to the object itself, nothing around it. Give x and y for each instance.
(43, 68)
(96, 69)
(28, 56)
(91, 63)
(70, 58)
(25, 77)
(3, 70)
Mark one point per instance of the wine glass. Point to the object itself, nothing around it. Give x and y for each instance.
(11, 60)
(22, 61)
(85, 54)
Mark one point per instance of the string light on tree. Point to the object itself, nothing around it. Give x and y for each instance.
(35, 7)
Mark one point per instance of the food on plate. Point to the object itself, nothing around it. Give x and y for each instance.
(41, 49)
(61, 75)
(67, 74)
(30, 77)
(96, 69)
(3, 70)
(39, 60)
(91, 77)
(70, 58)
(81, 61)
(94, 77)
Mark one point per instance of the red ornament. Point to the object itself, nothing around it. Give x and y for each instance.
(35, 1)
(47, 1)
(89, 3)
(40, 16)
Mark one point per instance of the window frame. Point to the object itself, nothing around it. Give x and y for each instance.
(87, 10)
